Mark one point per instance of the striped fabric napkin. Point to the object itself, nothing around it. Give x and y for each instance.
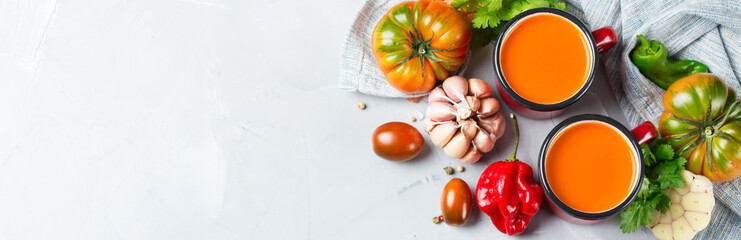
(708, 31)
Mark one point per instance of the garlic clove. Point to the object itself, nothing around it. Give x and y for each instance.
(442, 133)
(493, 125)
(677, 211)
(468, 128)
(654, 219)
(697, 220)
(499, 119)
(473, 103)
(456, 88)
(698, 202)
(681, 229)
(457, 146)
(697, 185)
(472, 155)
(687, 176)
(463, 113)
(488, 107)
(663, 231)
(428, 125)
(437, 95)
(484, 141)
(440, 112)
(479, 88)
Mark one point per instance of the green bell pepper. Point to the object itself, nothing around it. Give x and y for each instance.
(651, 59)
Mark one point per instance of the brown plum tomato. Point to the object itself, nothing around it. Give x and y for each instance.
(397, 141)
(456, 202)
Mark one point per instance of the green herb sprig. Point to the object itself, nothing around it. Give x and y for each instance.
(490, 15)
(663, 171)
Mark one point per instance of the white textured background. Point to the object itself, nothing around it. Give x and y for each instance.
(211, 119)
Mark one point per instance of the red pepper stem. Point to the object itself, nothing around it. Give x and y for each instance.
(513, 157)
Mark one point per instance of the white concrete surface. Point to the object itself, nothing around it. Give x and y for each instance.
(215, 119)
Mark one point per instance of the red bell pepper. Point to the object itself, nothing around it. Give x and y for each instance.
(507, 192)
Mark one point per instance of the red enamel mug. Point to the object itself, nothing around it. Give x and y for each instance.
(643, 133)
(598, 41)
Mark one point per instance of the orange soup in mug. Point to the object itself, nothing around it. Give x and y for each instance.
(545, 60)
(590, 167)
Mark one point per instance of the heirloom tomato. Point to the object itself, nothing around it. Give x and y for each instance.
(702, 121)
(419, 42)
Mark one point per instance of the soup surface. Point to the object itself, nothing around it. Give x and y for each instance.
(545, 58)
(591, 166)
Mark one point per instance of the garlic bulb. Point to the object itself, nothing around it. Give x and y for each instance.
(690, 209)
(463, 118)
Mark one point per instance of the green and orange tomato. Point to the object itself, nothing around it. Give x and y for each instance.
(702, 121)
(419, 42)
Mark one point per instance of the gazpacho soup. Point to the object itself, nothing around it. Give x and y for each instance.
(545, 58)
(591, 166)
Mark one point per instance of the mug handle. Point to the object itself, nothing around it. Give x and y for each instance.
(605, 38)
(645, 133)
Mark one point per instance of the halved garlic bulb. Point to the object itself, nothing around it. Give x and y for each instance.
(689, 212)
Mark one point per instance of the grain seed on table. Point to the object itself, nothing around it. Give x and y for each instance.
(449, 170)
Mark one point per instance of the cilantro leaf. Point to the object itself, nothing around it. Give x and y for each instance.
(669, 174)
(516, 7)
(492, 5)
(656, 151)
(660, 202)
(680, 161)
(664, 152)
(644, 191)
(561, 6)
(483, 20)
(648, 156)
(640, 212)
(637, 214)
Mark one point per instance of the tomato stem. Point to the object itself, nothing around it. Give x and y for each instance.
(708, 150)
(423, 50)
(513, 157)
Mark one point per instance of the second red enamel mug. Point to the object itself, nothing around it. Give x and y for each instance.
(591, 167)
